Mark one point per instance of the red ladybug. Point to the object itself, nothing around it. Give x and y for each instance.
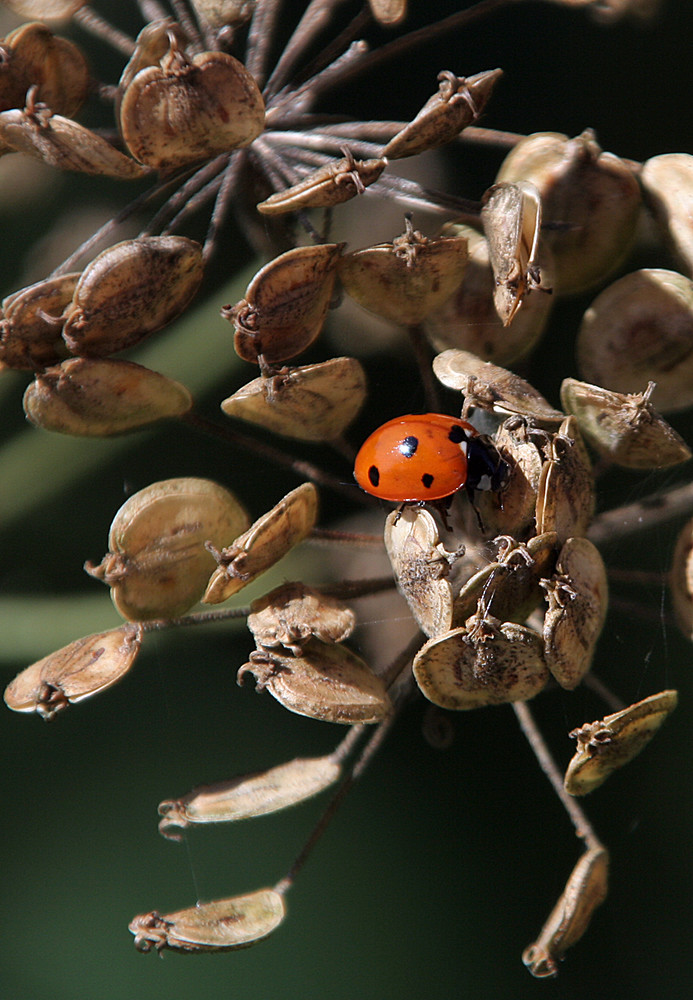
(426, 456)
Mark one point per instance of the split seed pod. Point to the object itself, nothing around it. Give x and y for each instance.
(566, 495)
(608, 744)
(265, 542)
(333, 184)
(222, 925)
(512, 511)
(290, 614)
(668, 184)
(80, 670)
(32, 323)
(310, 403)
(285, 304)
(131, 290)
(158, 566)
(624, 428)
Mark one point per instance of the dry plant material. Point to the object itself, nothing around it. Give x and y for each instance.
(512, 512)
(326, 187)
(32, 323)
(34, 57)
(565, 495)
(290, 614)
(667, 182)
(681, 580)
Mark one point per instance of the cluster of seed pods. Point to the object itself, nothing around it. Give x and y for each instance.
(509, 592)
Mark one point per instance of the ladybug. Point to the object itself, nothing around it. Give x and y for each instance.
(427, 456)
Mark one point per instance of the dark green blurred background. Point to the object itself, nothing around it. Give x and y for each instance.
(442, 866)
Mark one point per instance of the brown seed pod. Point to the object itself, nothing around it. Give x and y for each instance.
(609, 743)
(468, 319)
(250, 795)
(222, 925)
(592, 198)
(487, 662)
(333, 184)
(404, 280)
(492, 388)
(97, 398)
(388, 12)
(224, 13)
(48, 10)
(640, 329)
(624, 428)
(265, 542)
(667, 181)
(512, 511)
(55, 66)
(310, 403)
(327, 682)
(566, 495)
(184, 110)
(681, 580)
(131, 290)
(585, 890)
(577, 596)
(291, 613)
(80, 670)
(459, 102)
(285, 304)
(32, 323)
(157, 565)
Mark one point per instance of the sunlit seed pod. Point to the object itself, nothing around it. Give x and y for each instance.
(511, 217)
(388, 12)
(157, 565)
(404, 280)
(291, 613)
(640, 330)
(624, 428)
(35, 57)
(327, 682)
(333, 184)
(185, 110)
(578, 597)
(63, 143)
(512, 511)
(48, 10)
(249, 795)
(97, 398)
(32, 323)
(151, 45)
(667, 181)
(223, 13)
(681, 580)
(310, 403)
(585, 890)
(591, 199)
(486, 662)
(421, 565)
(131, 290)
(468, 319)
(77, 671)
(285, 304)
(222, 925)
(491, 387)
(607, 744)
(265, 542)
(459, 102)
(566, 493)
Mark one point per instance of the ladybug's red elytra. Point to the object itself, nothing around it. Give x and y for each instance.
(426, 456)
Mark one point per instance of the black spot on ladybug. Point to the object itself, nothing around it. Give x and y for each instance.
(427, 480)
(456, 434)
(408, 446)
(374, 475)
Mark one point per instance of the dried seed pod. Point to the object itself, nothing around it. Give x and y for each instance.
(404, 280)
(511, 217)
(327, 682)
(566, 496)
(249, 795)
(131, 290)
(468, 319)
(681, 580)
(309, 403)
(185, 110)
(48, 10)
(291, 613)
(591, 198)
(265, 542)
(97, 398)
(577, 596)
(487, 662)
(55, 66)
(221, 13)
(459, 102)
(222, 925)
(80, 670)
(285, 304)
(31, 328)
(512, 511)
(157, 565)
(421, 565)
(333, 184)
(624, 428)
(640, 329)
(609, 743)
(668, 184)
(388, 12)
(151, 45)
(585, 890)
(492, 388)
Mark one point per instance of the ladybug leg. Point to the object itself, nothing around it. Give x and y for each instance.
(442, 506)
